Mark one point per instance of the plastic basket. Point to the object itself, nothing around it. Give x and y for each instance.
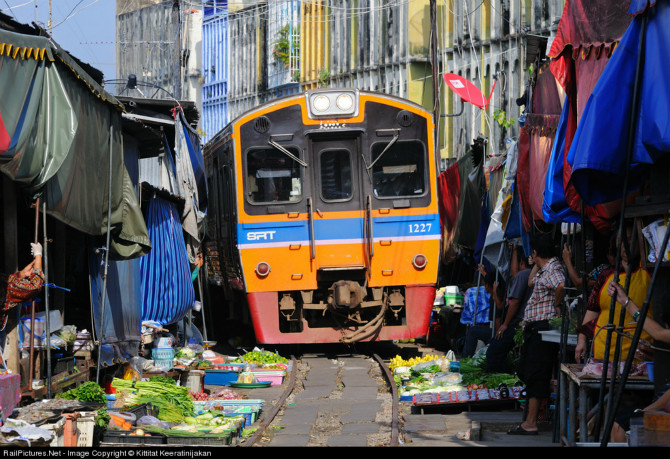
(162, 353)
(219, 440)
(220, 377)
(123, 437)
(145, 409)
(85, 427)
(276, 377)
(164, 365)
(58, 429)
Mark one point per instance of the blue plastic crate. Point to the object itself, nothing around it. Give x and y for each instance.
(220, 377)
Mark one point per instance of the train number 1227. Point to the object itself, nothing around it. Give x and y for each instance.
(419, 227)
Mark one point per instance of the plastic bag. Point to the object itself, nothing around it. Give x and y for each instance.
(447, 378)
(152, 421)
(247, 378)
(420, 367)
(68, 333)
(135, 368)
(57, 342)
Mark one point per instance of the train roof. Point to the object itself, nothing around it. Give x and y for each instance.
(228, 128)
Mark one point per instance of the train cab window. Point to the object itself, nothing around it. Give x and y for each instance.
(272, 176)
(398, 170)
(336, 181)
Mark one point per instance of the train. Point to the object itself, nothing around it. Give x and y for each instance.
(323, 222)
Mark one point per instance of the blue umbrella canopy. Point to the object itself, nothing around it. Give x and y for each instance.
(598, 154)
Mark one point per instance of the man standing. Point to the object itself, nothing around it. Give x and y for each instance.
(537, 356)
(511, 314)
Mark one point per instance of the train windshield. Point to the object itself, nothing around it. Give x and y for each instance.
(272, 176)
(400, 171)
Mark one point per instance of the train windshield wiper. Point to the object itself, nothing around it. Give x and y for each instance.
(393, 140)
(287, 153)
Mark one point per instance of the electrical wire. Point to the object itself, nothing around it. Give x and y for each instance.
(72, 14)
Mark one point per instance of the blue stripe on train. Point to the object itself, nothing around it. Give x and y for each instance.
(352, 229)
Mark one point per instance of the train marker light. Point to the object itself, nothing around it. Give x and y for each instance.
(419, 261)
(262, 269)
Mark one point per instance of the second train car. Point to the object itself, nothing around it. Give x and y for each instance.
(324, 215)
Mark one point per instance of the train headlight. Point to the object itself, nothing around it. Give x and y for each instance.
(345, 102)
(332, 103)
(419, 261)
(262, 269)
(321, 103)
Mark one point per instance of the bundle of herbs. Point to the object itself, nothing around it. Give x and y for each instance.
(173, 402)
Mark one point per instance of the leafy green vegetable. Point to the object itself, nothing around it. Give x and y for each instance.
(261, 357)
(163, 379)
(102, 418)
(173, 402)
(88, 392)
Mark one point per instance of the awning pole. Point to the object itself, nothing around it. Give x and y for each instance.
(104, 274)
(622, 234)
(45, 269)
(31, 335)
(202, 308)
(636, 338)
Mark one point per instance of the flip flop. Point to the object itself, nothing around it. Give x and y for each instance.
(518, 430)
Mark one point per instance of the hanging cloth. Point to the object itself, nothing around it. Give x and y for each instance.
(167, 289)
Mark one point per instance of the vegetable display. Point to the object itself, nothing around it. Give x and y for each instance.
(433, 374)
(261, 358)
(173, 402)
(87, 392)
(209, 424)
(398, 361)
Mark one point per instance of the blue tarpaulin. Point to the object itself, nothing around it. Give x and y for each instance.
(167, 288)
(599, 149)
(197, 162)
(476, 306)
(121, 334)
(555, 208)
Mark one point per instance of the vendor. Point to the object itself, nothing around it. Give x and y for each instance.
(23, 285)
(658, 332)
(479, 310)
(597, 313)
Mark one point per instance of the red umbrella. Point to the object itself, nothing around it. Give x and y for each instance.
(468, 91)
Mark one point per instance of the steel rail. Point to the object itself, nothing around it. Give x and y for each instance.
(394, 393)
(272, 414)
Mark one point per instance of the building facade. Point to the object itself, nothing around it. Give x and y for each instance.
(250, 52)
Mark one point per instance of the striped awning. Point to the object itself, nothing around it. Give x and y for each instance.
(167, 288)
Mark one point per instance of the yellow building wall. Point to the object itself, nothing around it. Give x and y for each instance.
(314, 43)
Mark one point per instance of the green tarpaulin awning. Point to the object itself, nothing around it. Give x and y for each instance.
(57, 130)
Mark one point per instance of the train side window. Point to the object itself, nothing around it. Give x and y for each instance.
(272, 176)
(400, 171)
(336, 176)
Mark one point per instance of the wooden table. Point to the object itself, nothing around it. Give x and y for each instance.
(575, 387)
(639, 436)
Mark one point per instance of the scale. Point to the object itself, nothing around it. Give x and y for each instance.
(208, 344)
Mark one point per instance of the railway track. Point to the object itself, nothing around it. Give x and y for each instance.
(340, 398)
(333, 399)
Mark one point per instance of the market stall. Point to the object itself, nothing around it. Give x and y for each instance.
(434, 381)
(146, 405)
